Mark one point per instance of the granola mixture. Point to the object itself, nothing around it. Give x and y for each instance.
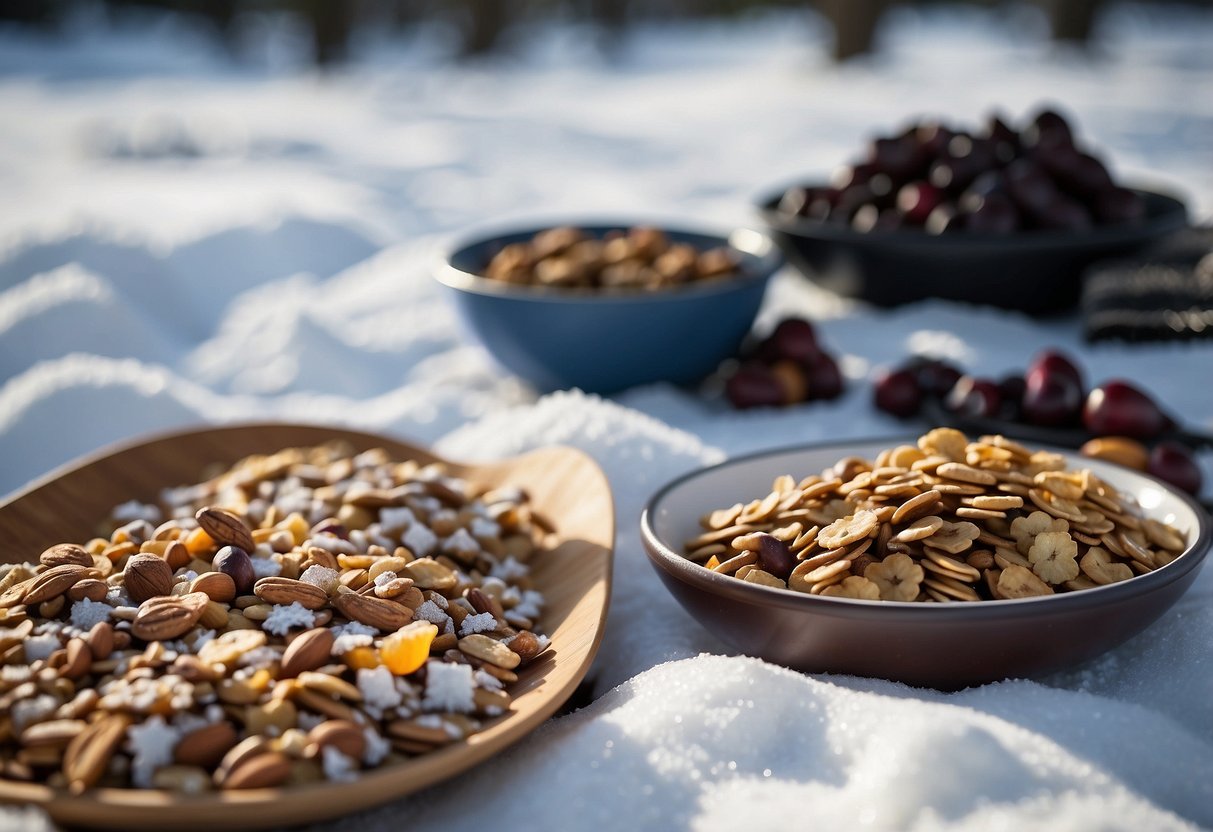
(948, 520)
(303, 616)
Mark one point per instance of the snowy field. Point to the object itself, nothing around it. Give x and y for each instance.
(186, 240)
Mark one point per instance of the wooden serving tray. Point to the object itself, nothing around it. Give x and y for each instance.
(565, 485)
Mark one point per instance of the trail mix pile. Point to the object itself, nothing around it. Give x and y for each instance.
(302, 616)
(948, 520)
(638, 259)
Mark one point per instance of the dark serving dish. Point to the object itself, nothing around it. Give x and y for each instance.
(603, 342)
(946, 646)
(1037, 272)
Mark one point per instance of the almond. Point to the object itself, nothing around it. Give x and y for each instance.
(276, 590)
(344, 736)
(168, 616)
(205, 746)
(489, 650)
(225, 528)
(94, 589)
(100, 640)
(308, 651)
(176, 555)
(147, 576)
(218, 586)
(65, 553)
(79, 660)
(262, 771)
(88, 753)
(52, 732)
(54, 582)
(387, 616)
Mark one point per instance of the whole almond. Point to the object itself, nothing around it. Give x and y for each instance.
(65, 553)
(147, 576)
(308, 651)
(214, 616)
(346, 737)
(52, 732)
(100, 640)
(482, 602)
(275, 590)
(176, 555)
(387, 616)
(225, 528)
(205, 746)
(88, 753)
(218, 586)
(79, 659)
(262, 771)
(489, 650)
(54, 582)
(93, 589)
(168, 616)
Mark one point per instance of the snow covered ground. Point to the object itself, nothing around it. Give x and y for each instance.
(186, 240)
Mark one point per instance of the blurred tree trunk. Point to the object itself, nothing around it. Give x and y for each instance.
(1072, 19)
(486, 20)
(331, 22)
(854, 24)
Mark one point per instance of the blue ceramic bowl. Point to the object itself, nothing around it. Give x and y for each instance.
(605, 342)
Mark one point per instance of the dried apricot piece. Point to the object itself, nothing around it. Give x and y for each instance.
(405, 650)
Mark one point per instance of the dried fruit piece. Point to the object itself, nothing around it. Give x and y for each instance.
(1025, 529)
(897, 577)
(1020, 582)
(856, 586)
(1097, 564)
(407, 649)
(847, 530)
(1052, 556)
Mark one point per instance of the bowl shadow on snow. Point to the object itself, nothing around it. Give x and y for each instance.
(195, 282)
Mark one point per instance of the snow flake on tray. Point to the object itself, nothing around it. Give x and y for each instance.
(448, 687)
(394, 518)
(484, 622)
(266, 567)
(483, 527)
(285, 616)
(41, 647)
(338, 768)
(377, 748)
(378, 688)
(420, 540)
(28, 711)
(151, 743)
(431, 612)
(510, 569)
(135, 510)
(461, 543)
(343, 644)
(86, 614)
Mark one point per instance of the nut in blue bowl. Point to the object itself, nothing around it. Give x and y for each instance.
(605, 339)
